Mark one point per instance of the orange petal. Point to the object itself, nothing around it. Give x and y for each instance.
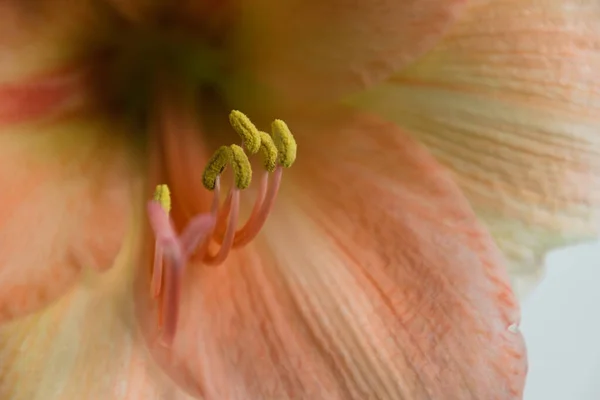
(327, 48)
(66, 198)
(372, 279)
(510, 101)
(84, 346)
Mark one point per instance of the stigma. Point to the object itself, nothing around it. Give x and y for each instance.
(212, 235)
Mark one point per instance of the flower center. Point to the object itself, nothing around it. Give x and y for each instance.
(143, 59)
(219, 225)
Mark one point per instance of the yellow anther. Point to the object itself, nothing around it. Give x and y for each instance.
(285, 143)
(241, 167)
(246, 129)
(215, 166)
(233, 155)
(163, 196)
(268, 151)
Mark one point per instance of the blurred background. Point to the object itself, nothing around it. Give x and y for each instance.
(561, 324)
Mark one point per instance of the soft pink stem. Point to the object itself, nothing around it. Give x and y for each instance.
(258, 219)
(223, 251)
(171, 298)
(157, 271)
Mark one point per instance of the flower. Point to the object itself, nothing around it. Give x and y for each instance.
(371, 277)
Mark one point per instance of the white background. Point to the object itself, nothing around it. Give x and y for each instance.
(561, 325)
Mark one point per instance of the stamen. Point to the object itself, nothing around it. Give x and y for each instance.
(269, 155)
(157, 271)
(196, 231)
(198, 251)
(241, 167)
(163, 196)
(286, 146)
(174, 252)
(170, 252)
(214, 207)
(259, 213)
(278, 151)
(223, 252)
(240, 164)
(227, 215)
(269, 151)
(163, 231)
(170, 299)
(246, 129)
(222, 219)
(285, 143)
(282, 151)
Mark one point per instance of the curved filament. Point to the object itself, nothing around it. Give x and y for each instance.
(164, 234)
(190, 247)
(219, 234)
(196, 232)
(256, 221)
(222, 221)
(157, 271)
(227, 244)
(177, 253)
(170, 299)
(214, 207)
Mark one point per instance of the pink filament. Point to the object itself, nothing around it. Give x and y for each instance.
(262, 207)
(220, 224)
(216, 196)
(232, 208)
(260, 213)
(165, 236)
(196, 232)
(170, 300)
(157, 271)
(262, 190)
(222, 218)
(160, 222)
(174, 251)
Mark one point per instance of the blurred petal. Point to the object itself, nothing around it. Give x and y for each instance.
(327, 48)
(372, 279)
(201, 14)
(47, 95)
(65, 174)
(37, 36)
(67, 192)
(137, 10)
(84, 346)
(510, 100)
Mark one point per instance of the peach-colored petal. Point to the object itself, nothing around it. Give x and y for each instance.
(66, 194)
(319, 48)
(510, 101)
(84, 346)
(372, 279)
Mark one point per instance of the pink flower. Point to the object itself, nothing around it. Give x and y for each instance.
(371, 276)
